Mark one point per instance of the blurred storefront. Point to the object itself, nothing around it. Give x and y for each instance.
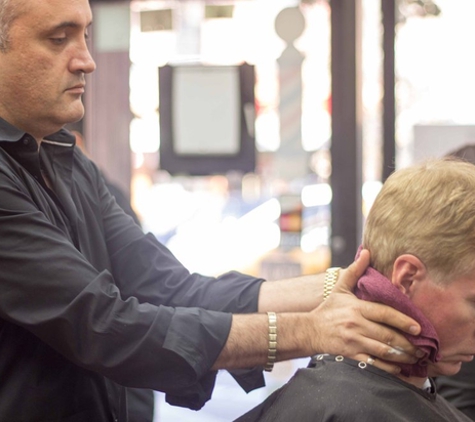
(234, 218)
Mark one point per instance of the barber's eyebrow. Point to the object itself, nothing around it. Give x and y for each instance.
(67, 24)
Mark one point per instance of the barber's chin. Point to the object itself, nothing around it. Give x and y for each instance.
(74, 114)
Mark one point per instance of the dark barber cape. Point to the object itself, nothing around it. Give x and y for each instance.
(88, 303)
(336, 389)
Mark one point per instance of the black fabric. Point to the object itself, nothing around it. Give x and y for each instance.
(460, 389)
(339, 391)
(88, 302)
(122, 200)
(140, 401)
(140, 405)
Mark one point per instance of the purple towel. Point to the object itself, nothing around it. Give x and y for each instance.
(375, 287)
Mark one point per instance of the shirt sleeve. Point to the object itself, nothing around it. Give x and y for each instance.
(145, 268)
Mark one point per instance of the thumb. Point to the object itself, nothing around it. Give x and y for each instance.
(347, 281)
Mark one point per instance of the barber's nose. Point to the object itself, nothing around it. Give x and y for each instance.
(83, 61)
(89, 64)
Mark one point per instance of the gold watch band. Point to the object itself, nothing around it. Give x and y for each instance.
(331, 277)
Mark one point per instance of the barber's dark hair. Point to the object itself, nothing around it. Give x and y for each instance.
(8, 13)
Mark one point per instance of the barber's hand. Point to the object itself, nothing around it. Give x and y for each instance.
(362, 330)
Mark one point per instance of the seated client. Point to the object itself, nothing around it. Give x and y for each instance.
(421, 236)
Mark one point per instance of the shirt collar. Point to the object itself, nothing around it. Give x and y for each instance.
(10, 133)
(428, 387)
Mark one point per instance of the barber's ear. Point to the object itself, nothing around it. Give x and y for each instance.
(408, 271)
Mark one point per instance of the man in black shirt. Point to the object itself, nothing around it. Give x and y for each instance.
(89, 303)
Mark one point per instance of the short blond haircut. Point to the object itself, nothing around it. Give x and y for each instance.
(427, 210)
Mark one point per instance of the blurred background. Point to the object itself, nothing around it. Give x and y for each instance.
(254, 134)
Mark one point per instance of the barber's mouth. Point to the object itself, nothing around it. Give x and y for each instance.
(78, 89)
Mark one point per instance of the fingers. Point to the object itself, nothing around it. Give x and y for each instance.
(385, 366)
(355, 328)
(386, 337)
(349, 276)
(383, 314)
(380, 355)
(398, 350)
(388, 367)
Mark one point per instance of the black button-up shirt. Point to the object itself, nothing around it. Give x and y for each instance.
(88, 302)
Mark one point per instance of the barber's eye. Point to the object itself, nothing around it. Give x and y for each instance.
(58, 41)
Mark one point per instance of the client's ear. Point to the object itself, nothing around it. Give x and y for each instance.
(408, 270)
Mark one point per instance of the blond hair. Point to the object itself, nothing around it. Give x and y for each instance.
(427, 210)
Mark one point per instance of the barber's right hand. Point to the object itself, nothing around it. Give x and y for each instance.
(361, 330)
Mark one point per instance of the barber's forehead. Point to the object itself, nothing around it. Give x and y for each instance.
(54, 12)
(59, 6)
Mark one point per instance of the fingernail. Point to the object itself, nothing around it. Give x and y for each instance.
(414, 329)
(420, 353)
